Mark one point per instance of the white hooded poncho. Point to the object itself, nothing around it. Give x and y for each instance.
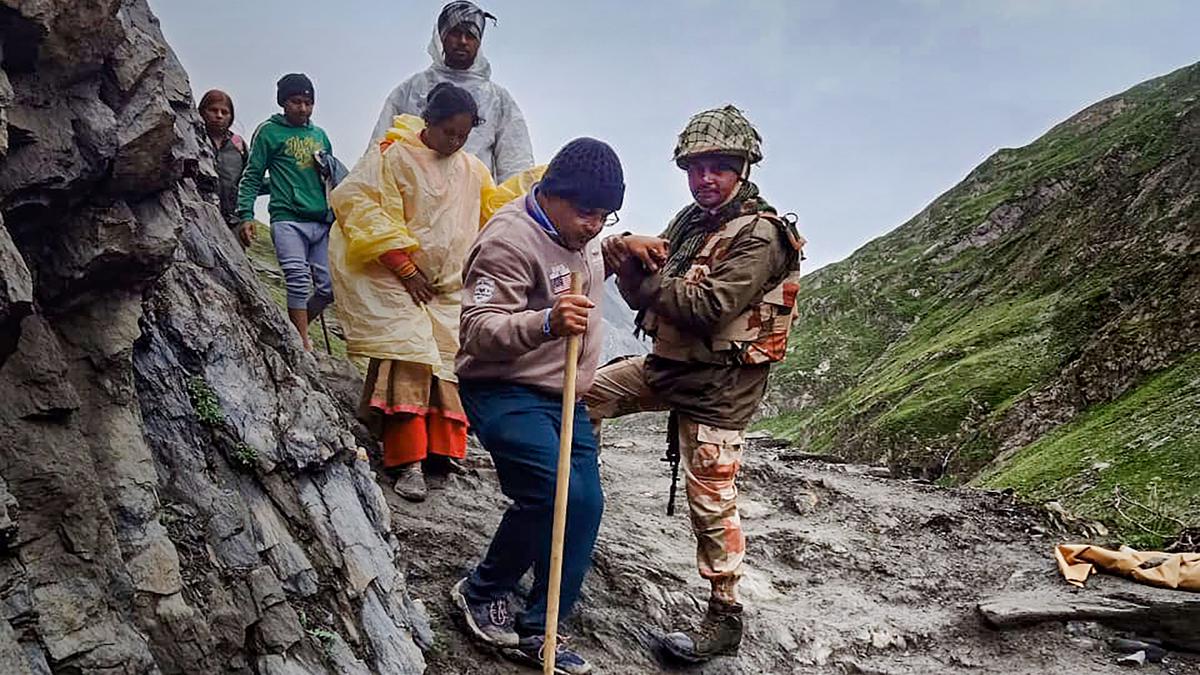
(501, 142)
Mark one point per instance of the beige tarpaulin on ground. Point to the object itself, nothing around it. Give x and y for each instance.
(1169, 570)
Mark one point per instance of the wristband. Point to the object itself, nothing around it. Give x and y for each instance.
(546, 325)
(395, 259)
(400, 263)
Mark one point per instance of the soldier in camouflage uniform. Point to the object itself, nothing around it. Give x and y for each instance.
(716, 293)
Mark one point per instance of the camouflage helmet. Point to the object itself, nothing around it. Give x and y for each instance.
(720, 131)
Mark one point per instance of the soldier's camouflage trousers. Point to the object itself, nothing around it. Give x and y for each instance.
(710, 457)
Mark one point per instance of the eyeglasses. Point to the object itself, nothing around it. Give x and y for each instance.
(606, 219)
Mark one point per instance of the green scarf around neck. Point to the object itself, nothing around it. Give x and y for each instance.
(691, 227)
(688, 232)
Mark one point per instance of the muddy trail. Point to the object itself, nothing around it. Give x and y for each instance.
(848, 571)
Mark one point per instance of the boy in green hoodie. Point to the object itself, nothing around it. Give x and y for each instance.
(283, 147)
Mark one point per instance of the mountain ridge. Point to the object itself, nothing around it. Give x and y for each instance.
(1052, 279)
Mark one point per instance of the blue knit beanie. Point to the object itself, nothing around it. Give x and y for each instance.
(587, 173)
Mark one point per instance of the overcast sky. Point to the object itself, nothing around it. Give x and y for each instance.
(869, 109)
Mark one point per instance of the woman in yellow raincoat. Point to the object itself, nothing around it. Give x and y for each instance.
(406, 217)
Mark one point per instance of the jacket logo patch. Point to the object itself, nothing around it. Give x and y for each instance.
(485, 288)
(560, 279)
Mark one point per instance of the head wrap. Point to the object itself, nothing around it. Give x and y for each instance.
(465, 14)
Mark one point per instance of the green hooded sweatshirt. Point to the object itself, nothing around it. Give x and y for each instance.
(286, 153)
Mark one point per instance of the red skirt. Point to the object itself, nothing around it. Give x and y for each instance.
(415, 413)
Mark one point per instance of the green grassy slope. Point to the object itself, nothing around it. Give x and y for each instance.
(1053, 280)
(1131, 462)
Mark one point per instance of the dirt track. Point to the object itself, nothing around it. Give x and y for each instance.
(847, 572)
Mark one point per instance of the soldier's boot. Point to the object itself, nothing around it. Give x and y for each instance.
(719, 634)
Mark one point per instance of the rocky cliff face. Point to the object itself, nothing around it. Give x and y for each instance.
(1041, 319)
(178, 491)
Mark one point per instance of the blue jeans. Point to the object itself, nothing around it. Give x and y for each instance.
(519, 426)
(302, 249)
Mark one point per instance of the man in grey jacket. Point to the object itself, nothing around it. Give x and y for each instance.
(517, 305)
(501, 142)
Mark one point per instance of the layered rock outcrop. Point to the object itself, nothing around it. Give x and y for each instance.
(178, 491)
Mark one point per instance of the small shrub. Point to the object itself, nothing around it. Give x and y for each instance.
(204, 401)
(244, 455)
(323, 635)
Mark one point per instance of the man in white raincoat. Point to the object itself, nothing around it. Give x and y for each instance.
(501, 142)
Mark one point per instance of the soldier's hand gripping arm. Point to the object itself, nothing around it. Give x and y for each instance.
(651, 252)
(632, 258)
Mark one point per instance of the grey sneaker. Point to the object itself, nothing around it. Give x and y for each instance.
(531, 651)
(491, 622)
(410, 482)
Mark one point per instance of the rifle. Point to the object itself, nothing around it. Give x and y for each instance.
(672, 457)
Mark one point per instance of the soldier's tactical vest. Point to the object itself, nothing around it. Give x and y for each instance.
(760, 333)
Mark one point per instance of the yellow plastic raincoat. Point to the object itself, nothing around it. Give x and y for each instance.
(406, 196)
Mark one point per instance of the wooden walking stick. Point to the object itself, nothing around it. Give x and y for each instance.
(561, 485)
